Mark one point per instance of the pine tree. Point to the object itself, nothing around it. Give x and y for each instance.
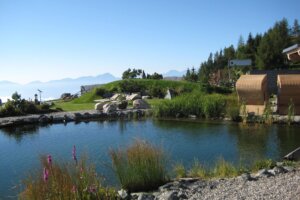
(143, 75)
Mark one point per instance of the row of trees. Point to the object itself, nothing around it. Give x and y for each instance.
(139, 73)
(265, 51)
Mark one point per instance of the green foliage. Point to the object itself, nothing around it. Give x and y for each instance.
(134, 73)
(269, 51)
(155, 76)
(268, 113)
(19, 106)
(195, 103)
(140, 167)
(197, 170)
(263, 164)
(157, 92)
(65, 181)
(179, 170)
(233, 108)
(224, 169)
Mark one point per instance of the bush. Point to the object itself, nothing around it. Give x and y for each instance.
(140, 167)
(76, 180)
(157, 92)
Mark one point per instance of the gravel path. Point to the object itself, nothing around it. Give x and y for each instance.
(281, 186)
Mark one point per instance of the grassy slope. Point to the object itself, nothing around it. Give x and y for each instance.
(86, 101)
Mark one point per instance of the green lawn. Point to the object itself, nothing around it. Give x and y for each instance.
(71, 106)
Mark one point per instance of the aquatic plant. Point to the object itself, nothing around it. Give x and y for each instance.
(198, 170)
(195, 103)
(263, 164)
(140, 167)
(291, 112)
(179, 170)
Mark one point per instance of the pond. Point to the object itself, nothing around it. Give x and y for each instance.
(21, 147)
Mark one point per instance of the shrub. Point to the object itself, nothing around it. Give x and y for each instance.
(197, 170)
(224, 169)
(140, 167)
(157, 91)
(263, 164)
(55, 180)
(179, 170)
(122, 105)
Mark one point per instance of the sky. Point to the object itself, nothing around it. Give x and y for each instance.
(54, 39)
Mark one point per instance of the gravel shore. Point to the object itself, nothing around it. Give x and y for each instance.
(263, 185)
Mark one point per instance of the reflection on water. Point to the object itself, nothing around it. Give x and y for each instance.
(21, 147)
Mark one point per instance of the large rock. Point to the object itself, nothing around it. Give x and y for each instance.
(116, 97)
(99, 106)
(140, 104)
(133, 97)
(109, 108)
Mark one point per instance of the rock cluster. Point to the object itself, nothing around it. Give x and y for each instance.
(277, 183)
(64, 117)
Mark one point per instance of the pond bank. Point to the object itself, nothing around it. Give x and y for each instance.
(64, 117)
(277, 183)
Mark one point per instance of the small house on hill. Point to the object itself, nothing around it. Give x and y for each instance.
(288, 90)
(252, 90)
(293, 52)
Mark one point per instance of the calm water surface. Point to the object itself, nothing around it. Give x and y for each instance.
(21, 147)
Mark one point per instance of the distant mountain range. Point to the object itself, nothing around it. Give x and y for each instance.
(174, 73)
(54, 88)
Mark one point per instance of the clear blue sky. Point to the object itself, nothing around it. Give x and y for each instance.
(53, 39)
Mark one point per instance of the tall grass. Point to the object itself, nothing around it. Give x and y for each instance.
(140, 167)
(196, 103)
(64, 180)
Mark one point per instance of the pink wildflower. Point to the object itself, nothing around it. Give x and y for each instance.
(73, 189)
(45, 174)
(49, 159)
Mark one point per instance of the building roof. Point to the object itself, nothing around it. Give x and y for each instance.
(291, 48)
(292, 80)
(251, 82)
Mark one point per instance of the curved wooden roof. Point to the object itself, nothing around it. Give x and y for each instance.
(291, 80)
(251, 82)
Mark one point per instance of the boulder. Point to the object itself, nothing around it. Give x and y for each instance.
(109, 107)
(140, 104)
(116, 97)
(133, 97)
(146, 97)
(99, 106)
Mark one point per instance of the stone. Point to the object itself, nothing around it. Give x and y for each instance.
(144, 196)
(140, 104)
(133, 97)
(123, 193)
(99, 106)
(169, 195)
(288, 168)
(115, 97)
(43, 119)
(192, 116)
(109, 108)
(146, 97)
(261, 173)
(122, 104)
